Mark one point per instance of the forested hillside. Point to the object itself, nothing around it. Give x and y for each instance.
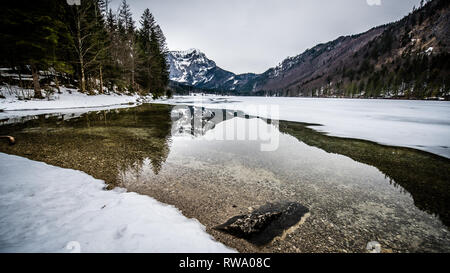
(409, 58)
(89, 46)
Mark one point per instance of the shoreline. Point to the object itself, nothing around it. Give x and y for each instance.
(70, 207)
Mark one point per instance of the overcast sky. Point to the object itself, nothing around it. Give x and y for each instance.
(254, 35)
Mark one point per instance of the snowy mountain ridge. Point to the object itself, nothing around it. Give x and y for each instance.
(192, 67)
(393, 60)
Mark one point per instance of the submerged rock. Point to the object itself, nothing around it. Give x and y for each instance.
(262, 225)
(11, 140)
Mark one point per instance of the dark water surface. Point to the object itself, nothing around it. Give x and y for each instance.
(356, 191)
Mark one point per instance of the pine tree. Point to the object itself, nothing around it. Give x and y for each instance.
(163, 51)
(145, 70)
(112, 69)
(62, 61)
(126, 28)
(101, 37)
(147, 25)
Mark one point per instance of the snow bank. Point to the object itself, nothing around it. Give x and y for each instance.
(49, 209)
(11, 117)
(423, 125)
(68, 99)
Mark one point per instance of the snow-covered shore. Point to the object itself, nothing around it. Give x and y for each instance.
(45, 208)
(422, 125)
(69, 100)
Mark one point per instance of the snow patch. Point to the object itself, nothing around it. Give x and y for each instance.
(49, 209)
(15, 106)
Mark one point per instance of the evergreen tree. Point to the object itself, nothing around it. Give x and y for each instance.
(153, 70)
(101, 49)
(88, 41)
(30, 36)
(162, 58)
(112, 69)
(146, 56)
(126, 28)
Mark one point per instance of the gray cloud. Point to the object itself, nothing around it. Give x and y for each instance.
(253, 35)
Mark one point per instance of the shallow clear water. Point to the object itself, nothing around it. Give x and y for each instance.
(212, 165)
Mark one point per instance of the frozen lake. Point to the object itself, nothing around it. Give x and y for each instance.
(423, 125)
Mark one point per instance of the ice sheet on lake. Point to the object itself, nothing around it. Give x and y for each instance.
(49, 209)
(423, 125)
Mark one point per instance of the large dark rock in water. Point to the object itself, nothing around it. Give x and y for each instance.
(265, 223)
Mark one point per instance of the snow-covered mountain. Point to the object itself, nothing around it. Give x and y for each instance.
(192, 67)
(361, 65)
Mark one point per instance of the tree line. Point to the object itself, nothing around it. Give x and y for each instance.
(88, 45)
(410, 59)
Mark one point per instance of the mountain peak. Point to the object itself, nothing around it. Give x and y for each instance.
(190, 51)
(189, 66)
(192, 67)
(391, 60)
